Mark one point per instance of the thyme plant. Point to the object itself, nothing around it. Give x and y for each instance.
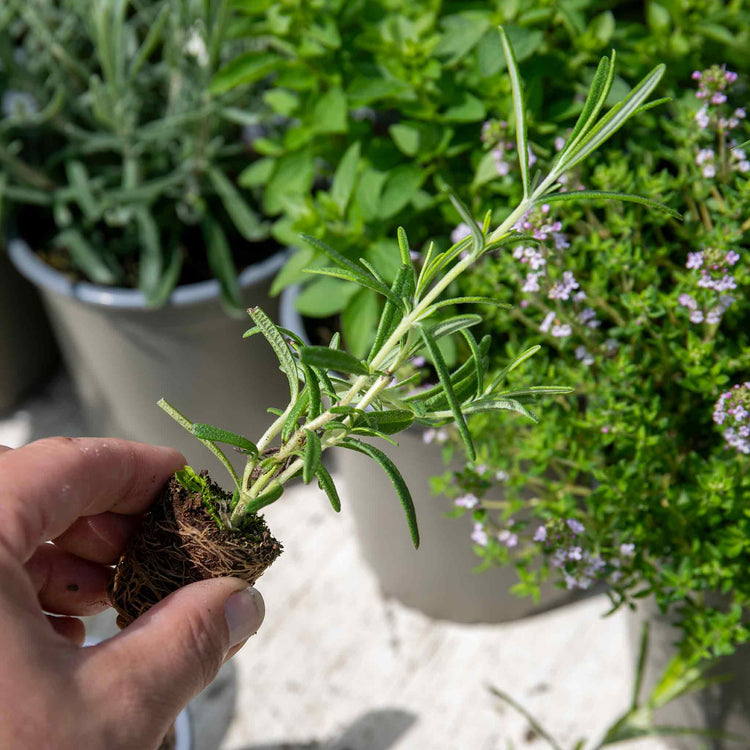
(336, 398)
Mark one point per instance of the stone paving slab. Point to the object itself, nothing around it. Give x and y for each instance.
(338, 667)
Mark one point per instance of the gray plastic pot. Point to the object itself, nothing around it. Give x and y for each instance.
(438, 578)
(123, 356)
(27, 348)
(722, 707)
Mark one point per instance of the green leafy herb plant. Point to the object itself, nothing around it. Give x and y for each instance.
(118, 161)
(339, 400)
(379, 104)
(641, 483)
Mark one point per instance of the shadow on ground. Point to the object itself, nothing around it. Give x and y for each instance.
(375, 730)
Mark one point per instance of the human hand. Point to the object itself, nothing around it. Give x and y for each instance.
(86, 495)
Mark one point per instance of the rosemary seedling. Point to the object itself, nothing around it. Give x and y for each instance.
(337, 399)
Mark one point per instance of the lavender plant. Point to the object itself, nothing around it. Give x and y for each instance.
(118, 161)
(336, 399)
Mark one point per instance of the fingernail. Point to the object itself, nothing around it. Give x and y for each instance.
(244, 612)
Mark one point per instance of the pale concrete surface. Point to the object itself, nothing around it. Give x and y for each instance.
(335, 666)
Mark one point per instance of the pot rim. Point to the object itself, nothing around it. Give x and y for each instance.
(33, 268)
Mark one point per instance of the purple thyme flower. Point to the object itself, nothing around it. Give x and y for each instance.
(584, 355)
(732, 410)
(547, 322)
(466, 501)
(575, 526)
(540, 535)
(461, 231)
(508, 538)
(479, 535)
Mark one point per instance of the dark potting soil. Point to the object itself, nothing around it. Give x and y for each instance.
(180, 543)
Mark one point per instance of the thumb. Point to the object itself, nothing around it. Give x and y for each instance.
(173, 651)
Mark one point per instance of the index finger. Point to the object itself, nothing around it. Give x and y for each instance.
(46, 485)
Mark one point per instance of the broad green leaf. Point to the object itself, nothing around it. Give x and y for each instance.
(396, 479)
(406, 136)
(218, 435)
(271, 495)
(293, 271)
(399, 188)
(220, 260)
(518, 109)
(461, 33)
(325, 482)
(384, 255)
(293, 177)
(329, 115)
(364, 90)
(281, 101)
(368, 191)
(258, 173)
(359, 321)
(313, 452)
(332, 359)
(590, 195)
(85, 257)
(445, 381)
(276, 339)
(325, 296)
(244, 69)
(391, 421)
(343, 180)
(468, 108)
